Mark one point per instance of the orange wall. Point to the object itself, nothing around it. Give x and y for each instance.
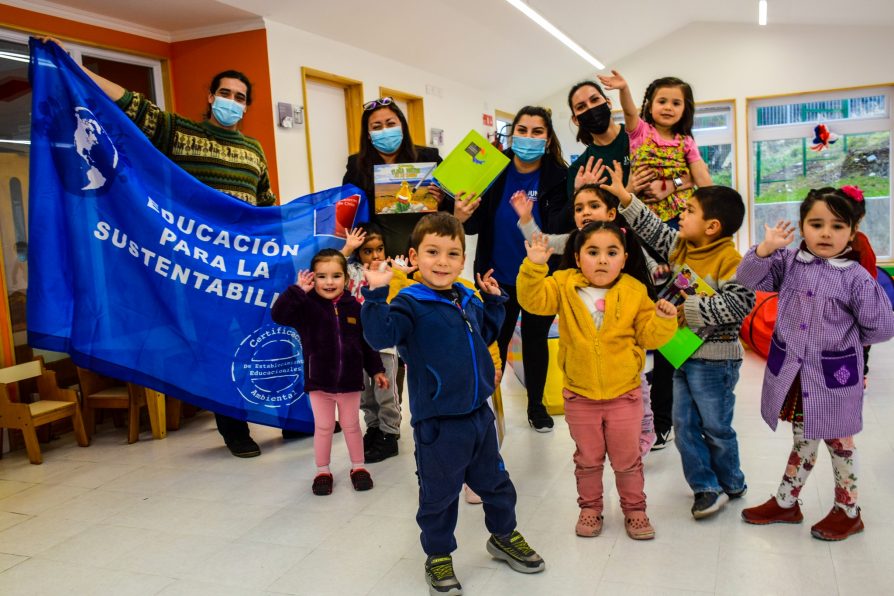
(195, 62)
(191, 65)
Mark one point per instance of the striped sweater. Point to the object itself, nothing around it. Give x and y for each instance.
(225, 160)
(715, 263)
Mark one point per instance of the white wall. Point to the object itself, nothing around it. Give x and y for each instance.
(457, 110)
(732, 61)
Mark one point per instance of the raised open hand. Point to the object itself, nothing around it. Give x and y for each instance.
(779, 236)
(539, 250)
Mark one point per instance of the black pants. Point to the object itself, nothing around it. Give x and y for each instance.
(231, 429)
(662, 393)
(535, 350)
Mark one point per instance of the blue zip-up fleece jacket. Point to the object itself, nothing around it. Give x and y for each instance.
(449, 369)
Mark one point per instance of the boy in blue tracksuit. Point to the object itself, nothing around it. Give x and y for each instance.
(442, 330)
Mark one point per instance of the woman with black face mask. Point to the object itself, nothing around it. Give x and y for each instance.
(605, 139)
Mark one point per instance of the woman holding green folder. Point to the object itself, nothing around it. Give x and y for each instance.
(537, 169)
(385, 138)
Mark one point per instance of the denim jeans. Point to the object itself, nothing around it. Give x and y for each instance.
(703, 424)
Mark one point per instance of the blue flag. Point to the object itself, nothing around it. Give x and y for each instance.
(143, 273)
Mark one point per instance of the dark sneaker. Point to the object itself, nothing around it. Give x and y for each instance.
(372, 436)
(322, 485)
(382, 449)
(440, 577)
(737, 494)
(361, 479)
(664, 437)
(540, 420)
(707, 504)
(244, 448)
(337, 428)
(515, 550)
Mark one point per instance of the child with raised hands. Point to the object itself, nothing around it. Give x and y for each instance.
(704, 385)
(591, 203)
(365, 248)
(829, 308)
(606, 322)
(661, 141)
(335, 357)
(442, 330)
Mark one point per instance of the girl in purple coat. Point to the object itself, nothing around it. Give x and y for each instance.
(829, 308)
(335, 356)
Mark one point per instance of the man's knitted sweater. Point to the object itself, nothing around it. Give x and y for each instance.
(225, 160)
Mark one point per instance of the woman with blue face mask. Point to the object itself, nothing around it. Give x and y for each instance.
(385, 139)
(538, 170)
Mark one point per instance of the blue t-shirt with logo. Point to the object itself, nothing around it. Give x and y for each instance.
(509, 243)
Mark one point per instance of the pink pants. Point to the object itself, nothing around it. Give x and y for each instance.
(323, 406)
(609, 427)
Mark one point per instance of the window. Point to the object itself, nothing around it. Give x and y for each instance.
(714, 130)
(786, 160)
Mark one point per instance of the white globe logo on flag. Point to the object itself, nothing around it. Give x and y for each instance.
(88, 135)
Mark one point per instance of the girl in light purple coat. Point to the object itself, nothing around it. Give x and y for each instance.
(829, 308)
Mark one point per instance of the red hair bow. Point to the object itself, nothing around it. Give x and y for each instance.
(853, 192)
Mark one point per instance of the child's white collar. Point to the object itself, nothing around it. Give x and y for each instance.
(838, 261)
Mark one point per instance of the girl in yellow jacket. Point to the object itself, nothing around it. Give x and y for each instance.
(606, 322)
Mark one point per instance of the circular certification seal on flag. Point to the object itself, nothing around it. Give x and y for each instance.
(268, 367)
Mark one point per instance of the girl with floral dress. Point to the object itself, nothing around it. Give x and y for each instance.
(661, 140)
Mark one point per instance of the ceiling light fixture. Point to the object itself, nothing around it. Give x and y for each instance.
(762, 13)
(552, 30)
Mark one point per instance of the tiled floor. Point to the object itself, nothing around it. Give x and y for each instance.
(182, 516)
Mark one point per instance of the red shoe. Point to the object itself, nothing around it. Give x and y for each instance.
(837, 525)
(771, 513)
(361, 479)
(322, 485)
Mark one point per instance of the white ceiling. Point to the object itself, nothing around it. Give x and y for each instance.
(481, 43)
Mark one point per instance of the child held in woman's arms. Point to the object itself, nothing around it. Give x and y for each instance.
(661, 140)
(606, 322)
(335, 357)
(442, 330)
(829, 308)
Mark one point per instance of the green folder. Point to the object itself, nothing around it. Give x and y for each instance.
(472, 166)
(681, 346)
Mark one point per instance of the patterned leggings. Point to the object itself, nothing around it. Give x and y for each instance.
(801, 461)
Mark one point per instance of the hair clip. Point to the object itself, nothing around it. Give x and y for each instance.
(853, 192)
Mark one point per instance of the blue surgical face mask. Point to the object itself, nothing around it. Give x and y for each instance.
(387, 140)
(226, 111)
(528, 149)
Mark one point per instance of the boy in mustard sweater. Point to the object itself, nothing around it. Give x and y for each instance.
(703, 385)
(606, 322)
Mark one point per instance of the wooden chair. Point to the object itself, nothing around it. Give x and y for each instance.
(98, 392)
(55, 404)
